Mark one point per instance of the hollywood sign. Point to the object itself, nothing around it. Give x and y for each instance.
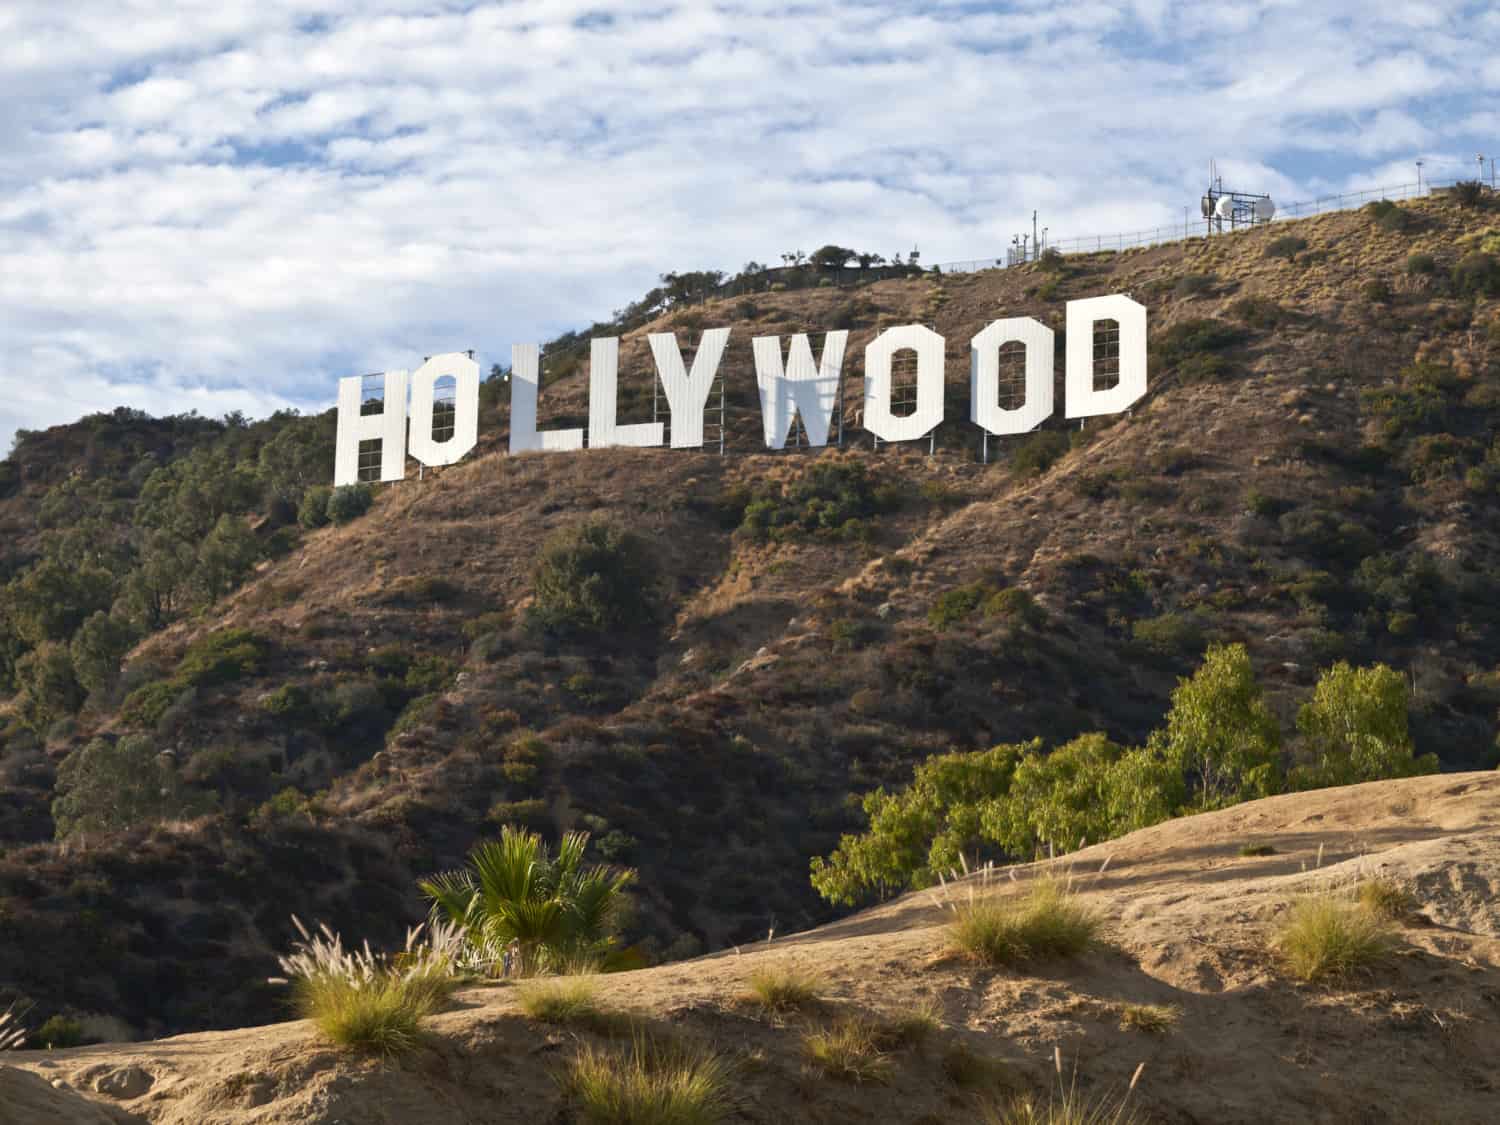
(791, 384)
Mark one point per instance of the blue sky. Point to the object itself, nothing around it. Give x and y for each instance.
(227, 204)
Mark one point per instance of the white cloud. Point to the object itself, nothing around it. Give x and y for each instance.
(226, 204)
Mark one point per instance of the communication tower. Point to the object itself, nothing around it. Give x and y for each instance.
(1236, 208)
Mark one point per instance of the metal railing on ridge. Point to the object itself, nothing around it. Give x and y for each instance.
(1162, 235)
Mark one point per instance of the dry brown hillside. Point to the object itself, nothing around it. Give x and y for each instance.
(1189, 924)
(1314, 473)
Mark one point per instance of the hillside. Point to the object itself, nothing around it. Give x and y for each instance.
(1313, 473)
(1189, 920)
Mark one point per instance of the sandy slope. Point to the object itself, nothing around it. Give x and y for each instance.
(1413, 1041)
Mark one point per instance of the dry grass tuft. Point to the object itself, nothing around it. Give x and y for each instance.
(12, 1034)
(1065, 1106)
(966, 1067)
(652, 1083)
(849, 1051)
(1155, 1019)
(1046, 921)
(783, 988)
(1327, 936)
(360, 999)
(382, 1012)
(570, 1002)
(909, 1029)
(1386, 898)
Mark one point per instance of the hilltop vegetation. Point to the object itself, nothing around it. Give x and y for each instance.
(1320, 955)
(706, 662)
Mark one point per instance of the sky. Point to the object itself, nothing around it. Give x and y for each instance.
(221, 205)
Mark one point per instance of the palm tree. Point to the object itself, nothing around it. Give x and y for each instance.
(555, 911)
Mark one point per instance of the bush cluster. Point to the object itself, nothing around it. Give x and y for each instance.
(592, 579)
(834, 499)
(1220, 744)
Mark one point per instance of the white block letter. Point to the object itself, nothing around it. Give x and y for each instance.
(465, 374)
(1083, 400)
(687, 394)
(984, 376)
(878, 352)
(389, 426)
(525, 361)
(804, 388)
(604, 376)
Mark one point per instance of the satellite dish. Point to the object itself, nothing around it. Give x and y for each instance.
(1265, 210)
(1206, 205)
(1225, 209)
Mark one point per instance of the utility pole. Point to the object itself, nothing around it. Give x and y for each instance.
(1419, 177)
(1036, 244)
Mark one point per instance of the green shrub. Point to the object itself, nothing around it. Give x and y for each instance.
(953, 606)
(349, 502)
(288, 804)
(485, 624)
(532, 813)
(289, 701)
(313, 511)
(1421, 264)
(1326, 936)
(1477, 274)
(1171, 634)
(221, 658)
(1193, 284)
(594, 578)
(1287, 246)
(1192, 347)
(1261, 504)
(654, 1083)
(58, 1033)
(1045, 921)
(1389, 216)
(617, 846)
(1016, 604)
(1376, 290)
(834, 499)
(1038, 452)
(1258, 312)
(847, 634)
(414, 714)
(145, 706)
